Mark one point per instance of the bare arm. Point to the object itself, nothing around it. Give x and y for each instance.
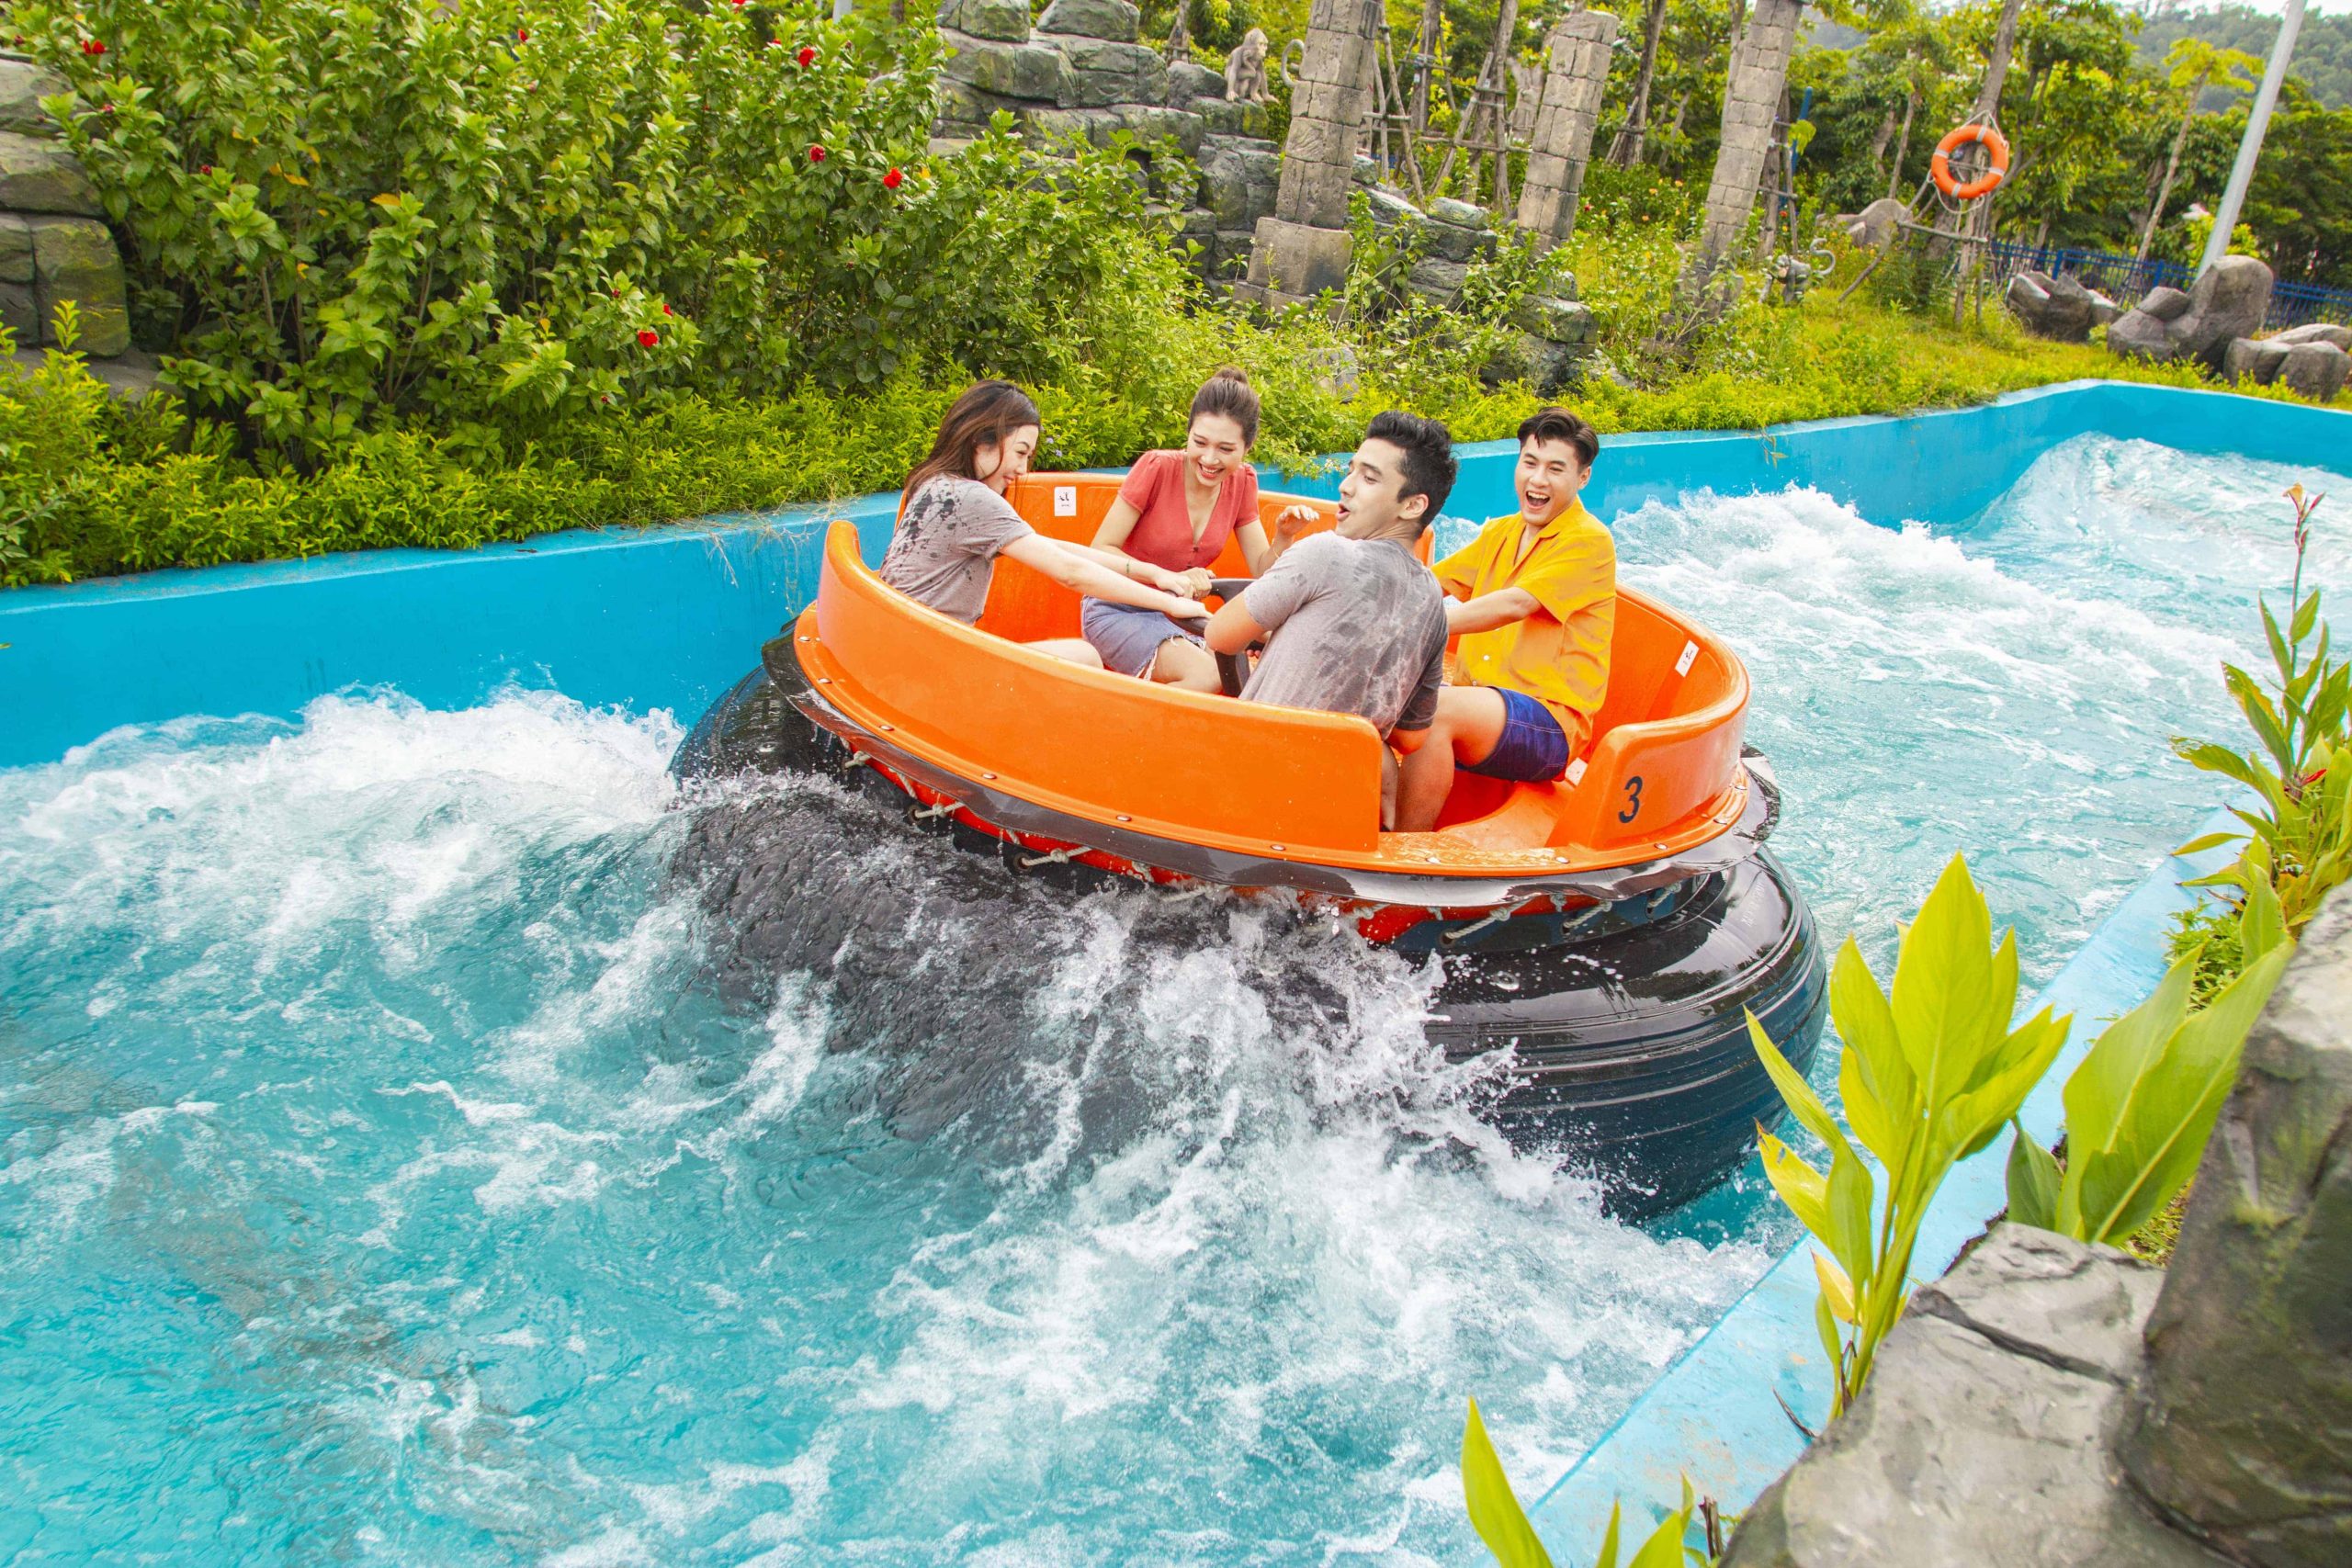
(1262, 552)
(1489, 611)
(1407, 740)
(1232, 628)
(1077, 568)
(1117, 524)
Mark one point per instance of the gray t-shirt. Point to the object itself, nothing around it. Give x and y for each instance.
(947, 545)
(1356, 626)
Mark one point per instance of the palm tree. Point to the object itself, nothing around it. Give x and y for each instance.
(2196, 66)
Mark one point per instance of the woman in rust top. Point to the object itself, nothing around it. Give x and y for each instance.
(1175, 511)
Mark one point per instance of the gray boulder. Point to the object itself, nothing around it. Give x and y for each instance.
(1228, 119)
(2104, 311)
(2245, 1428)
(1103, 72)
(2316, 331)
(1113, 20)
(2227, 301)
(2250, 359)
(965, 110)
(1875, 224)
(1979, 1440)
(1553, 319)
(1238, 180)
(1188, 79)
(74, 258)
(2315, 369)
(2056, 308)
(1033, 71)
(129, 376)
(37, 175)
(1006, 21)
(1437, 279)
(1390, 210)
(23, 84)
(1458, 231)
(1145, 122)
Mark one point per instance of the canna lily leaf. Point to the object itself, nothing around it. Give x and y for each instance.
(1494, 1508)
(2306, 614)
(1873, 1079)
(1946, 1007)
(1664, 1548)
(2277, 639)
(1974, 1119)
(1797, 1093)
(1801, 1188)
(2261, 926)
(1825, 1325)
(2033, 1182)
(2203, 841)
(2162, 1131)
(1836, 1289)
(1607, 1558)
(1848, 1202)
(2101, 1087)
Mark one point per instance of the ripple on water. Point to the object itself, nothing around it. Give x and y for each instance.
(397, 1162)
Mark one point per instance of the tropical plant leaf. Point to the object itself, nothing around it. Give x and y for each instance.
(1974, 1119)
(1798, 1094)
(1607, 1558)
(2306, 614)
(1944, 1003)
(2097, 1090)
(1849, 1194)
(2204, 842)
(2261, 924)
(1664, 1548)
(1836, 1288)
(1494, 1508)
(2162, 1129)
(2275, 638)
(1873, 1079)
(2033, 1182)
(1805, 1189)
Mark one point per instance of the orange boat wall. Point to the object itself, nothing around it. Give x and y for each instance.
(1179, 764)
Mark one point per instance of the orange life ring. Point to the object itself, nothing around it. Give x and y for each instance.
(1996, 147)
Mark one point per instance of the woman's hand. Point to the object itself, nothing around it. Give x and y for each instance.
(1194, 583)
(1180, 608)
(1294, 522)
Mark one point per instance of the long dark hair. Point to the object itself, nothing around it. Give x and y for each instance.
(1229, 392)
(983, 416)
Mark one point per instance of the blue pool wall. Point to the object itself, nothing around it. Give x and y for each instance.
(668, 617)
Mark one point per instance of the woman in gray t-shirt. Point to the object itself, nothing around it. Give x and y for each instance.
(957, 522)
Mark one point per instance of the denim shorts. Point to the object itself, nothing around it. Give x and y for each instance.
(1128, 635)
(1533, 748)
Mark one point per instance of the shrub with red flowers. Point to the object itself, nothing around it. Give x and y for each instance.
(408, 220)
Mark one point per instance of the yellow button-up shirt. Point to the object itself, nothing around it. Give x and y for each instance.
(1559, 655)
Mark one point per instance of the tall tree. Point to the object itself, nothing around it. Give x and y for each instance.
(1626, 150)
(2194, 66)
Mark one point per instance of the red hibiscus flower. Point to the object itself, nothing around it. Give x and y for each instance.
(807, 54)
(816, 154)
(93, 47)
(648, 338)
(893, 180)
(522, 35)
(666, 311)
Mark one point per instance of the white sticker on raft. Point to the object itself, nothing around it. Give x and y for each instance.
(1065, 501)
(1575, 773)
(1690, 652)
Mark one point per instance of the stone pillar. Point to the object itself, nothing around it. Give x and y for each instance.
(1302, 249)
(1562, 141)
(1759, 69)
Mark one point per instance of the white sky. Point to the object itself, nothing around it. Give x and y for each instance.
(2279, 8)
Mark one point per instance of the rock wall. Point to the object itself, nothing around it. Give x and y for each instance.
(2051, 1405)
(55, 245)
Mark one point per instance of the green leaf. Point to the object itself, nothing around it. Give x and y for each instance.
(1948, 1010)
(2162, 1131)
(1664, 1548)
(2098, 1089)
(1836, 1288)
(1795, 1092)
(2203, 841)
(2306, 614)
(2271, 634)
(1848, 1214)
(1607, 1558)
(1494, 1508)
(1801, 1188)
(1873, 1079)
(2033, 1182)
(2261, 926)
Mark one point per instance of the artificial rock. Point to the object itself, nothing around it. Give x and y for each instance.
(74, 258)
(1033, 70)
(1006, 21)
(2244, 1429)
(40, 176)
(1113, 20)
(2315, 331)
(23, 84)
(2057, 308)
(1980, 1440)
(2228, 300)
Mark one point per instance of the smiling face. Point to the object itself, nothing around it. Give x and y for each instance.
(1372, 500)
(1215, 447)
(1549, 474)
(997, 466)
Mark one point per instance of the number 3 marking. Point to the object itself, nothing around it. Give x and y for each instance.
(1633, 799)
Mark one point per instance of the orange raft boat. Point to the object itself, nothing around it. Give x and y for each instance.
(1612, 928)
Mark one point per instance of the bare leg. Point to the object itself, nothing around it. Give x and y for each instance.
(1468, 726)
(1187, 665)
(1077, 650)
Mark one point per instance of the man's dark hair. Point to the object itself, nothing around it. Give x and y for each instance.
(1559, 424)
(1430, 466)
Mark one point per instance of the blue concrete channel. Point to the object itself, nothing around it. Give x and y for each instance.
(663, 617)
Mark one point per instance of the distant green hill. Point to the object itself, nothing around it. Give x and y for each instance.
(2323, 49)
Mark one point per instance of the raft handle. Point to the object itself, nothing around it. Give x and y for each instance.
(1054, 857)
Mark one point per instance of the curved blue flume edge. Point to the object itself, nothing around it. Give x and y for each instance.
(668, 617)
(1714, 1415)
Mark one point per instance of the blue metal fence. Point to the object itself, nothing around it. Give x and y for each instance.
(2125, 278)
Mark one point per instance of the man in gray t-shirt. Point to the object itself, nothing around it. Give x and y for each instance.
(1352, 621)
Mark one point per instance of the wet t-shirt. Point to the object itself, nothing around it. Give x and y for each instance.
(1355, 626)
(946, 544)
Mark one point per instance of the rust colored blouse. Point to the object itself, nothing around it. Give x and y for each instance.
(1163, 530)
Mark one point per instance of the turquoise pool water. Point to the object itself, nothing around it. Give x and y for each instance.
(380, 1181)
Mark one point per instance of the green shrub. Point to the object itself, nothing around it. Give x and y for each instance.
(338, 217)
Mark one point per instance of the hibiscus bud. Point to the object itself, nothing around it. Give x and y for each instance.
(93, 47)
(522, 35)
(648, 338)
(816, 154)
(806, 55)
(893, 180)
(666, 311)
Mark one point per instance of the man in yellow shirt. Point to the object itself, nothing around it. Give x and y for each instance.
(1533, 603)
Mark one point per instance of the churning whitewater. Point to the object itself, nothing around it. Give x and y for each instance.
(398, 1164)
